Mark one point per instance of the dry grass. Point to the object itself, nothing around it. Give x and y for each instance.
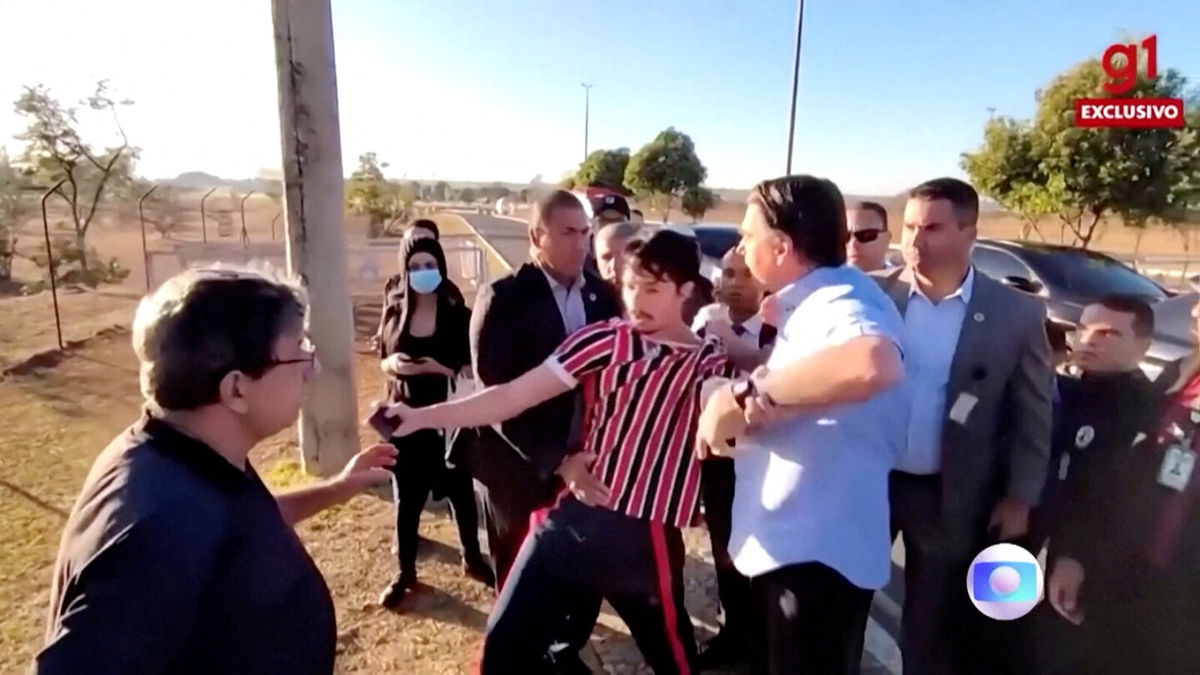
(55, 421)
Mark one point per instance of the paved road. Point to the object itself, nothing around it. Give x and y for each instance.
(509, 238)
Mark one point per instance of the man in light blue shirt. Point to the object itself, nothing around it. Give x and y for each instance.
(817, 432)
(931, 333)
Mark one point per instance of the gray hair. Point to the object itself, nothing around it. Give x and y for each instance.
(203, 324)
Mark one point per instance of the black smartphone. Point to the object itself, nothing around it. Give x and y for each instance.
(382, 423)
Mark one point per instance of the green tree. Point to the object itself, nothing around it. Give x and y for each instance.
(1091, 172)
(441, 191)
(370, 194)
(165, 212)
(604, 168)
(494, 191)
(1007, 169)
(665, 168)
(697, 201)
(55, 150)
(12, 210)
(468, 195)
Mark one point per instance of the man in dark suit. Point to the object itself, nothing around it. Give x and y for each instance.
(979, 431)
(517, 322)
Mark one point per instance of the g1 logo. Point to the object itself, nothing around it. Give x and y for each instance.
(1120, 63)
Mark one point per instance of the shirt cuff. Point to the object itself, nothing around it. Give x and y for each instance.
(557, 367)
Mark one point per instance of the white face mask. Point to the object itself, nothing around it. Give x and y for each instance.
(425, 281)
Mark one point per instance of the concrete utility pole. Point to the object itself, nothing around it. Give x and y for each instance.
(316, 249)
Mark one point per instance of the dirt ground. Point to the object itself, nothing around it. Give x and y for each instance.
(55, 418)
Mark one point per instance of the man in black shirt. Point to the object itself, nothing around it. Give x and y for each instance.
(176, 558)
(1102, 408)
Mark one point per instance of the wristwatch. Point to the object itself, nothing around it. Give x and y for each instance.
(742, 391)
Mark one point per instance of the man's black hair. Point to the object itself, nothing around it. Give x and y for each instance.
(811, 212)
(960, 194)
(1143, 316)
(666, 255)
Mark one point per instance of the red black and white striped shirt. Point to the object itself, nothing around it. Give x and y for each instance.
(642, 400)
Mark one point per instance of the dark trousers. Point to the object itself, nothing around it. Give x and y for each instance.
(939, 625)
(421, 468)
(717, 480)
(1153, 630)
(811, 620)
(507, 515)
(580, 554)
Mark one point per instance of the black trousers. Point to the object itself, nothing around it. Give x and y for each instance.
(577, 555)
(941, 632)
(811, 620)
(420, 469)
(507, 515)
(717, 480)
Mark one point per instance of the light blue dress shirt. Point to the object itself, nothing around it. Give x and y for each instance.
(570, 302)
(814, 487)
(931, 335)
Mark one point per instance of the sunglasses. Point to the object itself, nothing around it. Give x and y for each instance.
(866, 236)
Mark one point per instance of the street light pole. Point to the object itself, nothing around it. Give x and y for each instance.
(587, 109)
(795, 84)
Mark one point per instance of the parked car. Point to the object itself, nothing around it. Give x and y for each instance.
(1067, 278)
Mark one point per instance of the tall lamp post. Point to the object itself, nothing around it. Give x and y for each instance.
(795, 84)
(587, 109)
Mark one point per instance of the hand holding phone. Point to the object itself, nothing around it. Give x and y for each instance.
(383, 424)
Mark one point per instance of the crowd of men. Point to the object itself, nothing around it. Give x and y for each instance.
(824, 405)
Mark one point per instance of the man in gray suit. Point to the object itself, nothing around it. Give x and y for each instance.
(979, 432)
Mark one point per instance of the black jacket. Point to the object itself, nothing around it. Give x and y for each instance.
(515, 326)
(1098, 418)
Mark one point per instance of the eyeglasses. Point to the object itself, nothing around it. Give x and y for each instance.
(310, 357)
(866, 236)
(287, 362)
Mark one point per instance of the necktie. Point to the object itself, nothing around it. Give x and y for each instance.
(738, 329)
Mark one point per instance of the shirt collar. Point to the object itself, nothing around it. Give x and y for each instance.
(964, 291)
(576, 285)
(794, 293)
(753, 325)
(718, 312)
(193, 453)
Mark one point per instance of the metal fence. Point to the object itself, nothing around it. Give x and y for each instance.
(369, 263)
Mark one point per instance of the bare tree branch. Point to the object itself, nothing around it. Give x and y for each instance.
(100, 188)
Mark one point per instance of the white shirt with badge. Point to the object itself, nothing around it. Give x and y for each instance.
(749, 332)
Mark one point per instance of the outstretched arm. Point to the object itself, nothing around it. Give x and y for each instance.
(490, 406)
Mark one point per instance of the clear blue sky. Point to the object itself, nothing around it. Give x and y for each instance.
(891, 92)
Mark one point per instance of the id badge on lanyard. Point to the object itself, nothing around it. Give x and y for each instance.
(1179, 461)
(1176, 471)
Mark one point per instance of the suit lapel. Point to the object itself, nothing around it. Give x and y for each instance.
(900, 288)
(592, 307)
(970, 356)
(548, 313)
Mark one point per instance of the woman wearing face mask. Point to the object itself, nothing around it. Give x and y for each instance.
(423, 348)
